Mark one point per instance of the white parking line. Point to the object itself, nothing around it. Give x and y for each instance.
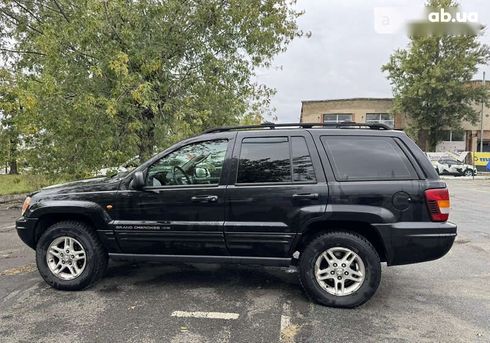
(209, 315)
(6, 228)
(285, 318)
(288, 330)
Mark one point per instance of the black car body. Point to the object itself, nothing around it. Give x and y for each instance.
(262, 196)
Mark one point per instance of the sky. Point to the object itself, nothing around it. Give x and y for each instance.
(350, 41)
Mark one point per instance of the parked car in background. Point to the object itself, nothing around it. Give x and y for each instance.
(127, 166)
(454, 167)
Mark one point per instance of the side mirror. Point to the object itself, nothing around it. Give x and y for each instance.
(138, 181)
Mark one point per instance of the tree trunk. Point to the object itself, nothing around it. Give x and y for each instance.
(422, 140)
(146, 135)
(433, 139)
(13, 167)
(13, 156)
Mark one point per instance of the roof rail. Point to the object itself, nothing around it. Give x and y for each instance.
(342, 125)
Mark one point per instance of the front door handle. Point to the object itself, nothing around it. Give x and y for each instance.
(204, 198)
(309, 196)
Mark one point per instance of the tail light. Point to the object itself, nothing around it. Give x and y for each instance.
(437, 200)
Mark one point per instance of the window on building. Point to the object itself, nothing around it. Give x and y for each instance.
(302, 164)
(486, 146)
(457, 135)
(452, 135)
(446, 135)
(356, 158)
(381, 118)
(337, 117)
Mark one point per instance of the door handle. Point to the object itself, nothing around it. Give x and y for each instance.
(204, 198)
(310, 196)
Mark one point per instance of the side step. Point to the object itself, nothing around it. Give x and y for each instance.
(264, 261)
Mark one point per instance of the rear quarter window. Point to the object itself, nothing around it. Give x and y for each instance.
(367, 158)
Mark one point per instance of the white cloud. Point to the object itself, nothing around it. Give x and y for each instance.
(343, 57)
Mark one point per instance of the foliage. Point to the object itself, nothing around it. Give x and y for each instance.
(431, 77)
(9, 117)
(111, 79)
(17, 184)
(4, 151)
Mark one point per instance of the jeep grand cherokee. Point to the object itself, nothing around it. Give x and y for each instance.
(334, 200)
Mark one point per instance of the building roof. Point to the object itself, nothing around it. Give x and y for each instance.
(346, 99)
(480, 81)
(303, 102)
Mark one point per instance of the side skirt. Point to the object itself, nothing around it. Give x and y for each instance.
(265, 261)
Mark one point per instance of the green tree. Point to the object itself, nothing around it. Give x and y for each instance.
(10, 109)
(111, 79)
(431, 77)
(4, 151)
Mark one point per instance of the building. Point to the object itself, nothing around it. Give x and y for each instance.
(380, 110)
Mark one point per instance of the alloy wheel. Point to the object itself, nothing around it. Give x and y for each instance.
(339, 271)
(66, 258)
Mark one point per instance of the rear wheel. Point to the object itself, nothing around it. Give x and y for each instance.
(70, 257)
(468, 172)
(340, 269)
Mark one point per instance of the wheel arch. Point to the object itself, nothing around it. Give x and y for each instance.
(49, 219)
(50, 212)
(364, 229)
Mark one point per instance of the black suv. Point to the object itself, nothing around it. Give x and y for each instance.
(335, 201)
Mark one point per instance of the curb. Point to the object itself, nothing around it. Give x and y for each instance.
(466, 178)
(12, 198)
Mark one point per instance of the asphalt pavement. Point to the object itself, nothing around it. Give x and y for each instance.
(447, 300)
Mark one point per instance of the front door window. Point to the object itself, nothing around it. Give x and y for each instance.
(194, 164)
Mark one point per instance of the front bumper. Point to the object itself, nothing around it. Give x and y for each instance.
(413, 242)
(26, 230)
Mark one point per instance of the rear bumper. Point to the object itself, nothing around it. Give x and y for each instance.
(26, 230)
(413, 242)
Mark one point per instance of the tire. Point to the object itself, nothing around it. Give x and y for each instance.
(367, 263)
(468, 172)
(81, 272)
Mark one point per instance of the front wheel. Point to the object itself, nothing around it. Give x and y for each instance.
(70, 257)
(468, 172)
(340, 269)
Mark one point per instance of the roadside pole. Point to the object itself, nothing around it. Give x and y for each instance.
(473, 161)
(481, 116)
(481, 125)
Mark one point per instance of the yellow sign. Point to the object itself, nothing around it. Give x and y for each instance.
(481, 158)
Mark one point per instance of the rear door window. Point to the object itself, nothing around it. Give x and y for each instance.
(302, 165)
(365, 158)
(264, 160)
(274, 160)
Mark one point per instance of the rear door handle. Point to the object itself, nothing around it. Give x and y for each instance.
(310, 196)
(204, 198)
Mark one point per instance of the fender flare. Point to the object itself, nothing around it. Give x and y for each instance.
(97, 215)
(368, 215)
